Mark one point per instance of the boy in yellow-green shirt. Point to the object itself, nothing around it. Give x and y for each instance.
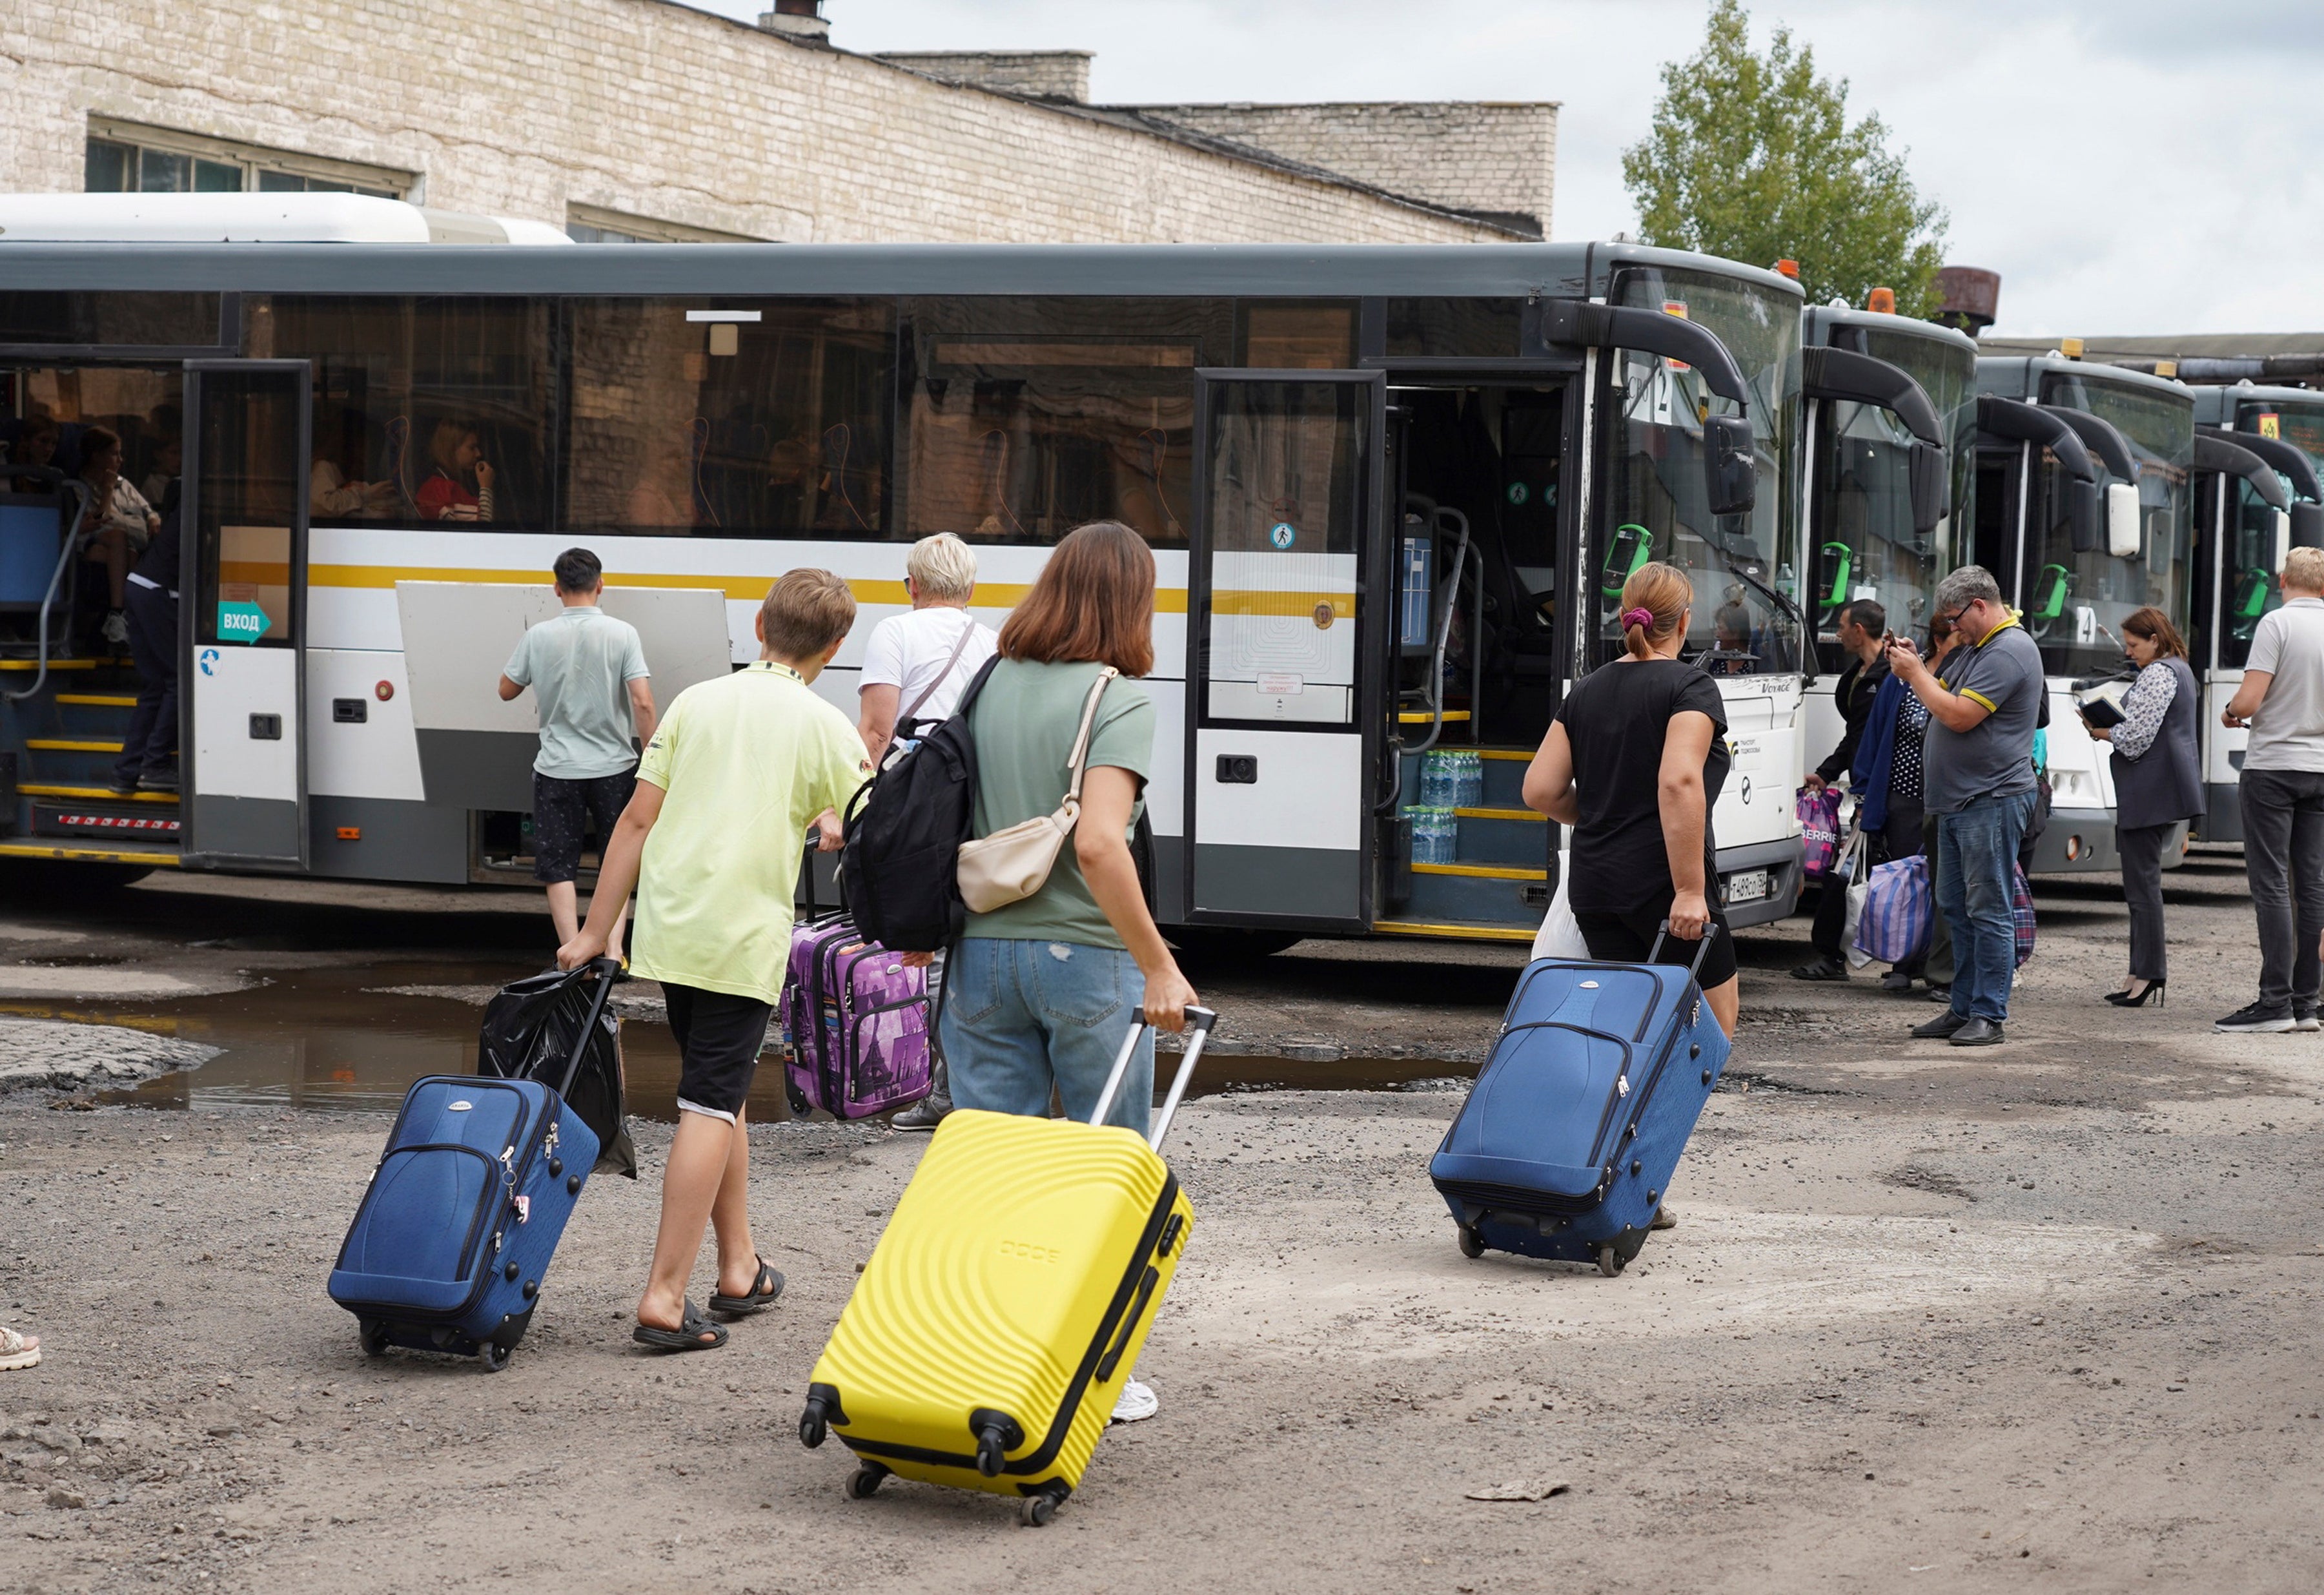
(736, 771)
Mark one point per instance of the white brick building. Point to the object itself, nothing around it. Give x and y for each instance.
(646, 119)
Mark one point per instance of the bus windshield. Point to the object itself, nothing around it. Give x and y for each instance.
(1863, 544)
(1658, 507)
(2074, 601)
(2248, 588)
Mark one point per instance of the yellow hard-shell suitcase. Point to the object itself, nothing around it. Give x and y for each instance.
(1004, 1307)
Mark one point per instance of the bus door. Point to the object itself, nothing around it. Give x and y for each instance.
(242, 613)
(1280, 745)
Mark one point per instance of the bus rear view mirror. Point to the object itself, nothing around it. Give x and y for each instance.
(2306, 525)
(2083, 510)
(1732, 474)
(2122, 520)
(1925, 466)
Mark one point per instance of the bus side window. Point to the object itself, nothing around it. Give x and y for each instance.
(731, 418)
(428, 411)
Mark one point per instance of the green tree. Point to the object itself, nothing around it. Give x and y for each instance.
(1753, 157)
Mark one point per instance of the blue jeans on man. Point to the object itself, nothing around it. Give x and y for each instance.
(1977, 865)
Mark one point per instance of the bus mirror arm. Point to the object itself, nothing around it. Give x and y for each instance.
(2289, 461)
(2015, 421)
(1844, 374)
(2104, 438)
(1730, 474)
(2213, 453)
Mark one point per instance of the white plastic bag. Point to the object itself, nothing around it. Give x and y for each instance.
(1560, 936)
(1860, 891)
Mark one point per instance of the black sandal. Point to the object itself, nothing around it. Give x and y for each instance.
(763, 1290)
(687, 1337)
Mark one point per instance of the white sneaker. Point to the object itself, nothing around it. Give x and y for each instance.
(1136, 1404)
(116, 627)
(2306, 1021)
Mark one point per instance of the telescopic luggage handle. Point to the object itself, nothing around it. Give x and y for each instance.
(1199, 1021)
(1701, 951)
(607, 970)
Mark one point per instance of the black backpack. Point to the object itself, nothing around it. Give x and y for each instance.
(904, 831)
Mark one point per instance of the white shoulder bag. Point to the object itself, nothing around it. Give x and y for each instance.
(1009, 865)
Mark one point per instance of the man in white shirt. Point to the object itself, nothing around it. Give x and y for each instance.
(2282, 700)
(916, 666)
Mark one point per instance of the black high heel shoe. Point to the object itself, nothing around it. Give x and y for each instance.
(2122, 999)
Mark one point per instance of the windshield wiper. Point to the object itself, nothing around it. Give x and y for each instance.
(1783, 601)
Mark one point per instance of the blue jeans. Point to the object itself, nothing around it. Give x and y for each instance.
(1022, 1016)
(1977, 863)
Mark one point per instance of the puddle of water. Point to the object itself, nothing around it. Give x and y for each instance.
(329, 1041)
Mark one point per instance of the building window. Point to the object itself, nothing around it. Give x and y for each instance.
(588, 224)
(123, 157)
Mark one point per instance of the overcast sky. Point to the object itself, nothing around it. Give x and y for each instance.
(2127, 166)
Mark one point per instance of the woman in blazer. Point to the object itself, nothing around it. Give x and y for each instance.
(2158, 781)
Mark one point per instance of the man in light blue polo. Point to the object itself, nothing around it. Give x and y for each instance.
(588, 674)
(1977, 779)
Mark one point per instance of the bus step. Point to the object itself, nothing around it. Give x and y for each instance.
(104, 822)
(153, 855)
(70, 744)
(1454, 893)
(92, 794)
(98, 700)
(1452, 930)
(1485, 872)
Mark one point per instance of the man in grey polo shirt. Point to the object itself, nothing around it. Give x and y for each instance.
(1977, 779)
(2282, 700)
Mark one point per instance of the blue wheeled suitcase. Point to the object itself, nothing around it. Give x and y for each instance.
(449, 1250)
(1569, 1137)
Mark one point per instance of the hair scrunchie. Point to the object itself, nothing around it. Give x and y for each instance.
(1643, 618)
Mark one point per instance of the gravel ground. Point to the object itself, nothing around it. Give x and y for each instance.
(2045, 1315)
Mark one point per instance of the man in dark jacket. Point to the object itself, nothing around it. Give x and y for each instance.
(149, 749)
(1862, 624)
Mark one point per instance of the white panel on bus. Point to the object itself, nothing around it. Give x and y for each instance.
(1281, 698)
(235, 681)
(457, 636)
(1309, 794)
(376, 757)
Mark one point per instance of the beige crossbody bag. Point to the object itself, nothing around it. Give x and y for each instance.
(1009, 865)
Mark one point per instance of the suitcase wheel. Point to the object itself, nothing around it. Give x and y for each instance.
(865, 1482)
(1610, 1260)
(493, 1356)
(1473, 1244)
(1036, 1511)
(372, 1333)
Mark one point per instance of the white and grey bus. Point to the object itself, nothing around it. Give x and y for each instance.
(1392, 492)
(2084, 509)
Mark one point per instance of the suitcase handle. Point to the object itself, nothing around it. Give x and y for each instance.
(1701, 951)
(1199, 1021)
(607, 970)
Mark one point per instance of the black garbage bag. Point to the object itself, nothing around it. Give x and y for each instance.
(529, 1031)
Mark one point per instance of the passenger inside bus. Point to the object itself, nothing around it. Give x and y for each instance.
(35, 445)
(457, 449)
(117, 524)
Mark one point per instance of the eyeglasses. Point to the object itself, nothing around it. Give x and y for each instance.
(1952, 619)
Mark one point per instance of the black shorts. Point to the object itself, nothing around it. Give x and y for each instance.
(1627, 937)
(719, 1038)
(563, 814)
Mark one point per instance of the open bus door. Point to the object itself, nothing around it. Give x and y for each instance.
(243, 613)
(1281, 745)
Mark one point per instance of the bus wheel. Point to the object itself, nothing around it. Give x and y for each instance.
(1218, 944)
(40, 880)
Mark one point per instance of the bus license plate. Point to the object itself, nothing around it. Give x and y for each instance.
(1747, 885)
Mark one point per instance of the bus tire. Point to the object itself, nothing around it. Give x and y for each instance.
(49, 880)
(1222, 944)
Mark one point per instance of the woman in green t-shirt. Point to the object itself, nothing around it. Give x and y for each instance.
(1040, 992)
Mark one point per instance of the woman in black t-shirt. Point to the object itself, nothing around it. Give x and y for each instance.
(1634, 763)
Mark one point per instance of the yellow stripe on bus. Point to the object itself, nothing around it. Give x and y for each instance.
(1303, 605)
(749, 589)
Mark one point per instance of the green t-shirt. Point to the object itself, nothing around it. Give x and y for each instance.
(1024, 722)
(745, 763)
(579, 662)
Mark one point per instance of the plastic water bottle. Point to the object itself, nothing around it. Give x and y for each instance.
(1437, 780)
(1470, 791)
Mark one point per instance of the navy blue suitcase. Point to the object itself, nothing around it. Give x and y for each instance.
(453, 1239)
(1571, 1134)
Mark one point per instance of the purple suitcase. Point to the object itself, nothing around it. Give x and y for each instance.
(856, 1021)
